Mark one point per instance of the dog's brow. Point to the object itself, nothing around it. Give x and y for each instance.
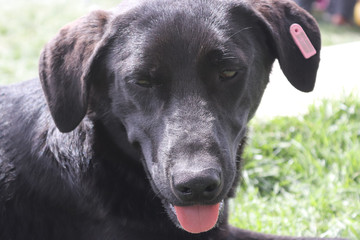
(238, 32)
(227, 57)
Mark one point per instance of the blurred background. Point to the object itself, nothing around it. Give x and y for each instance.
(302, 164)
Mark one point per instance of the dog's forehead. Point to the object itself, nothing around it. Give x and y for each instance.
(128, 5)
(178, 35)
(189, 29)
(184, 36)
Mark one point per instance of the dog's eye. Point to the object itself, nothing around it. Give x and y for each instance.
(144, 83)
(227, 74)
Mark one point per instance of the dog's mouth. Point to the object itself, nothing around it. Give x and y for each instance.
(197, 218)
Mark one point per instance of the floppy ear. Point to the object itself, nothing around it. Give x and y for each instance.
(66, 68)
(277, 17)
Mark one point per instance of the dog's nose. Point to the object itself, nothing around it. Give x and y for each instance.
(192, 186)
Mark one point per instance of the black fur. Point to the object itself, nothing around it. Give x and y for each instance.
(133, 99)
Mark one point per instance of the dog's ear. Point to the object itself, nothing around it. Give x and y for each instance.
(277, 16)
(66, 68)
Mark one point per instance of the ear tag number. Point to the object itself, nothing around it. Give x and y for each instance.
(302, 41)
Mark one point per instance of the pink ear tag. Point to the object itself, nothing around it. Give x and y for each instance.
(302, 41)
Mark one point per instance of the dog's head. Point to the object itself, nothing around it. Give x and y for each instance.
(183, 78)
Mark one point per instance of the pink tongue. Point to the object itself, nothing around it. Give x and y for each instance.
(197, 218)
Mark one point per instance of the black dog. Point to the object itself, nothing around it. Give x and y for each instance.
(144, 110)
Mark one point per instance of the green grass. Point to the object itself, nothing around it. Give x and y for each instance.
(301, 175)
(332, 35)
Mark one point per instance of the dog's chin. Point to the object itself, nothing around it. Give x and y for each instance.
(206, 217)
